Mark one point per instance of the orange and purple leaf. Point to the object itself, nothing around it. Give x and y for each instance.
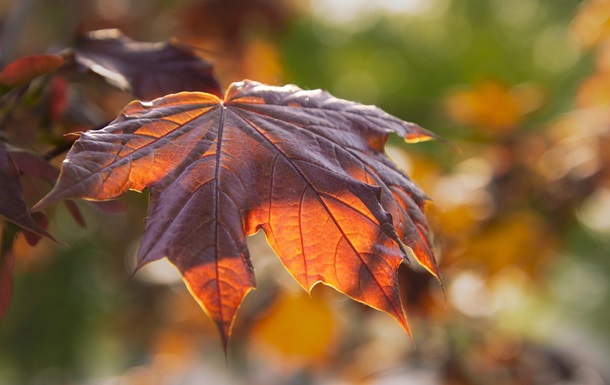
(307, 168)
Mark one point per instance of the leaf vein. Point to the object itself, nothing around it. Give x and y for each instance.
(320, 200)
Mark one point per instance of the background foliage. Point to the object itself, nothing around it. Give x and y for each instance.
(519, 91)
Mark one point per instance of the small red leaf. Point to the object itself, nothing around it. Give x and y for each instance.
(28, 68)
(57, 98)
(75, 213)
(6, 282)
(42, 221)
(147, 70)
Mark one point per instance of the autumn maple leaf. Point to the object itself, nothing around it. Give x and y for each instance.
(307, 168)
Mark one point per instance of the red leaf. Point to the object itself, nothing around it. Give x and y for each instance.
(6, 282)
(28, 68)
(307, 168)
(57, 98)
(12, 206)
(75, 213)
(41, 220)
(147, 70)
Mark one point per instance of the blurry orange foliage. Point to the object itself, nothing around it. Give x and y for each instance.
(298, 327)
(262, 62)
(492, 106)
(591, 26)
(520, 239)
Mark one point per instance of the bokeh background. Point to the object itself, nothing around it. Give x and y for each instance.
(520, 92)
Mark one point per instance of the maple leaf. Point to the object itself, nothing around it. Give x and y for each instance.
(307, 168)
(147, 70)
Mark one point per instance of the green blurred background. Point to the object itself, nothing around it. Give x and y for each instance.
(520, 93)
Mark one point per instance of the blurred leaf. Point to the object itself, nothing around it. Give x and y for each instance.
(12, 205)
(6, 282)
(28, 68)
(298, 327)
(520, 239)
(147, 70)
(594, 91)
(233, 20)
(492, 107)
(57, 98)
(75, 213)
(591, 26)
(306, 167)
(41, 220)
(456, 221)
(30, 164)
(262, 62)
